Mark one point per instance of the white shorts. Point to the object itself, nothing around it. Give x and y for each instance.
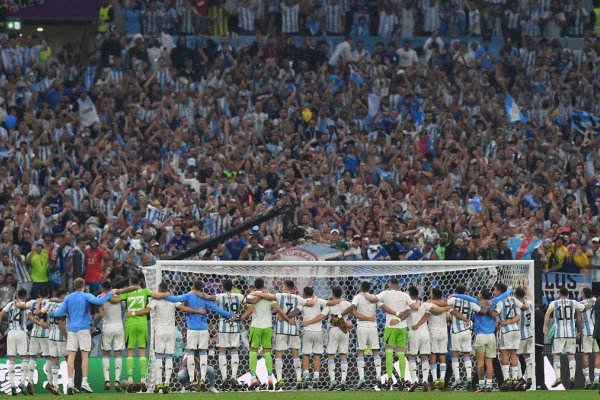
(57, 349)
(17, 343)
(461, 342)
(486, 343)
(228, 340)
(81, 340)
(285, 342)
(338, 341)
(367, 337)
(113, 338)
(526, 346)
(38, 345)
(164, 341)
(560, 344)
(509, 340)
(418, 342)
(439, 342)
(312, 342)
(589, 345)
(197, 340)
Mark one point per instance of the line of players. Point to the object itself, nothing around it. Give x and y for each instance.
(416, 328)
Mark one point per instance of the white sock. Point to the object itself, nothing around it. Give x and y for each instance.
(377, 362)
(529, 367)
(433, 371)
(84, 380)
(316, 375)
(235, 363)
(158, 366)
(572, 368)
(425, 370)
(596, 374)
(223, 365)
(168, 368)
(55, 370)
(331, 368)
(191, 366)
(505, 372)
(443, 372)
(31, 369)
(489, 382)
(556, 366)
(298, 368)
(279, 369)
(412, 368)
(455, 369)
(203, 365)
(48, 367)
(586, 374)
(71, 382)
(515, 372)
(11, 373)
(118, 368)
(482, 383)
(24, 371)
(360, 364)
(106, 368)
(50, 376)
(344, 370)
(468, 368)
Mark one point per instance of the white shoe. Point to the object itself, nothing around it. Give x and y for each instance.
(213, 390)
(86, 387)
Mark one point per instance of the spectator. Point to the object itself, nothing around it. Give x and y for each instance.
(38, 259)
(95, 259)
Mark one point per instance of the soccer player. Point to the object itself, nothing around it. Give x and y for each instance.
(229, 332)
(287, 336)
(57, 337)
(508, 315)
(261, 330)
(312, 338)
(338, 336)
(364, 307)
(76, 307)
(38, 337)
(113, 337)
(397, 306)
(197, 330)
(589, 346)
(419, 339)
(526, 345)
(563, 310)
(16, 339)
(461, 343)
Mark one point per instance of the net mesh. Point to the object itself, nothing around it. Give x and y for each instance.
(322, 277)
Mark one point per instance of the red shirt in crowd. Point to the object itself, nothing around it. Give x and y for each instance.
(93, 265)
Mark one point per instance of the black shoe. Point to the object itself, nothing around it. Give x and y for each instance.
(118, 386)
(70, 390)
(107, 385)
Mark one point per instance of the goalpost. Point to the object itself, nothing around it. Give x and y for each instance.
(322, 276)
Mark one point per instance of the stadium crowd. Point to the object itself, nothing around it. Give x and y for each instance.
(148, 146)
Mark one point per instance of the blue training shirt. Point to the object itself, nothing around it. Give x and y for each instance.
(484, 323)
(77, 308)
(197, 322)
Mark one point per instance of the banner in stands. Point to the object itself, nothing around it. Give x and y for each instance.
(553, 281)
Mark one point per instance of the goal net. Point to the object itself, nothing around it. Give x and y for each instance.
(322, 276)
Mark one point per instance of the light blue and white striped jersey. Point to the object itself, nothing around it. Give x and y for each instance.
(465, 308)
(507, 309)
(288, 302)
(231, 302)
(563, 311)
(54, 332)
(525, 322)
(587, 317)
(36, 330)
(17, 318)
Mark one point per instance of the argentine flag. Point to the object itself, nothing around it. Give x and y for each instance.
(522, 248)
(373, 103)
(512, 111)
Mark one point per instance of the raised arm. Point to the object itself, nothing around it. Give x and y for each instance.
(98, 300)
(503, 296)
(174, 299)
(467, 298)
(264, 296)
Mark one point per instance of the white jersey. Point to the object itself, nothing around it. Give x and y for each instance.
(17, 318)
(587, 317)
(163, 316)
(564, 317)
(397, 301)
(54, 332)
(416, 316)
(525, 322)
(288, 302)
(465, 308)
(36, 330)
(231, 302)
(262, 314)
(366, 308)
(336, 310)
(113, 315)
(437, 323)
(311, 312)
(507, 309)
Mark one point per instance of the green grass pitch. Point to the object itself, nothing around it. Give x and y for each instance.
(309, 395)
